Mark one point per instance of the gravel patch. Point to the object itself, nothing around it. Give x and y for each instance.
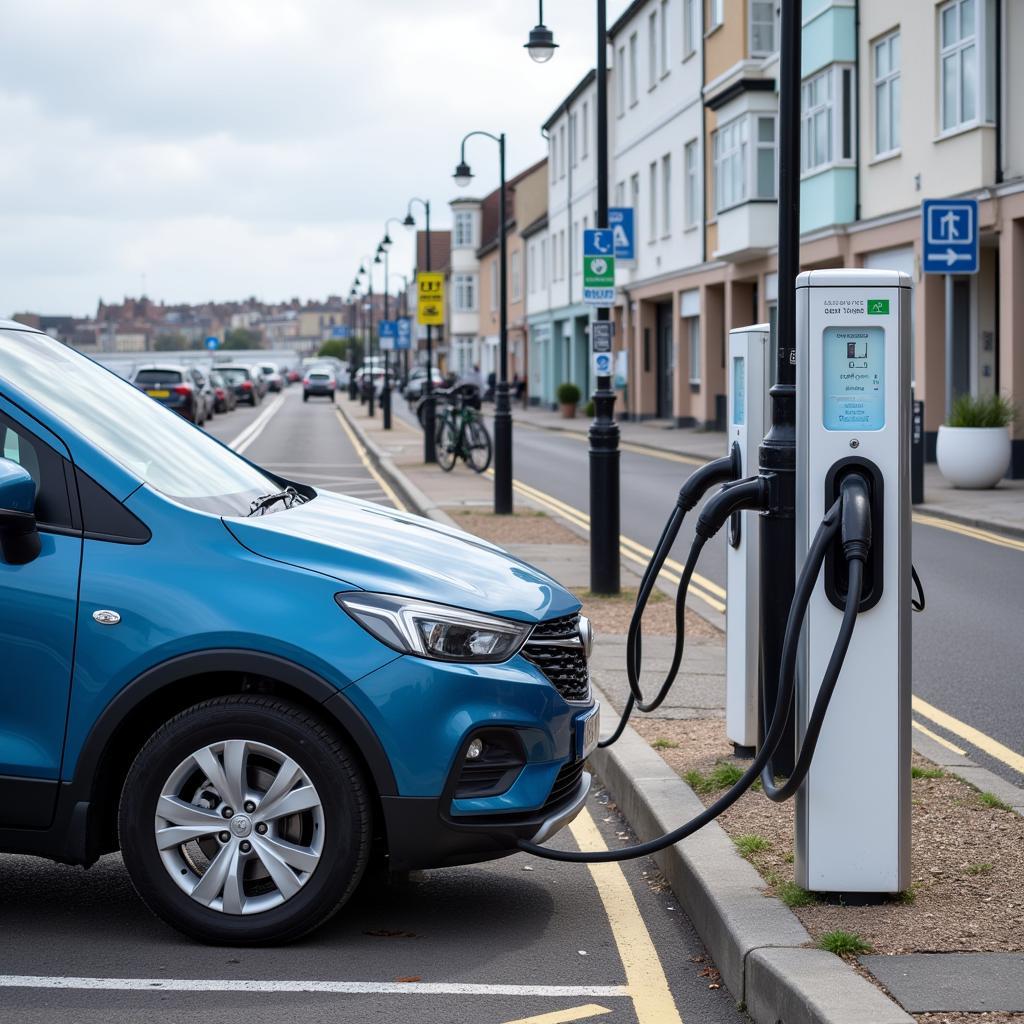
(524, 527)
(967, 863)
(611, 615)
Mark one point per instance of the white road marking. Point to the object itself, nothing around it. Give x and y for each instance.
(341, 987)
(254, 429)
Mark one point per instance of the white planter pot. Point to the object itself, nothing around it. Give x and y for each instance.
(973, 457)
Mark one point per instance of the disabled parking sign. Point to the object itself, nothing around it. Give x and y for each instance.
(599, 267)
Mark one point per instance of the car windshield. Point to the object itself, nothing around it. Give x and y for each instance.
(149, 440)
(319, 376)
(235, 374)
(158, 377)
(269, 369)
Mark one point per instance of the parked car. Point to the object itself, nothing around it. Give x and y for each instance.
(181, 388)
(259, 380)
(224, 395)
(319, 380)
(307, 682)
(417, 380)
(370, 377)
(241, 378)
(273, 376)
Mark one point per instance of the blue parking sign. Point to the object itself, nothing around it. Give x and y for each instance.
(949, 232)
(387, 332)
(404, 338)
(620, 220)
(340, 331)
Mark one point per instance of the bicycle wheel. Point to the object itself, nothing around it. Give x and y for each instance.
(447, 443)
(477, 450)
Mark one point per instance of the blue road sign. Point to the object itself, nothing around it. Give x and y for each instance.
(620, 220)
(342, 331)
(212, 342)
(387, 332)
(403, 340)
(949, 228)
(598, 242)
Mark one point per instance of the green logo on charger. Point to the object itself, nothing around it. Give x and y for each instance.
(878, 307)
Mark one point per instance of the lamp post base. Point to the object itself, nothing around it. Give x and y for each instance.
(502, 451)
(604, 492)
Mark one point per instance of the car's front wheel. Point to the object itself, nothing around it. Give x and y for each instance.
(245, 820)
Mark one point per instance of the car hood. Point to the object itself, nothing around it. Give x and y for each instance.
(378, 549)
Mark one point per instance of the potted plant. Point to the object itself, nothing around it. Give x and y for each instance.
(973, 449)
(568, 396)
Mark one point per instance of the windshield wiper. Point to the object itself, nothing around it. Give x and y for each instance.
(289, 496)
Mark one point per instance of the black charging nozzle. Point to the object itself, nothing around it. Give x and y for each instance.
(849, 521)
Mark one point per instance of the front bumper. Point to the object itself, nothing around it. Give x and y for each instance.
(425, 714)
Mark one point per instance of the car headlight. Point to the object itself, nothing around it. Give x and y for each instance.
(436, 631)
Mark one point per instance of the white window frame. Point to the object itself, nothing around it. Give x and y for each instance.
(955, 53)
(666, 195)
(461, 237)
(515, 271)
(886, 93)
(633, 71)
(573, 128)
(735, 149)
(758, 146)
(544, 262)
(465, 293)
(494, 286)
(531, 268)
(620, 194)
(773, 27)
(561, 154)
(621, 83)
(652, 211)
(691, 179)
(839, 118)
(663, 55)
(585, 145)
(716, 14)
(652, 49)
(692, 17)
(576, 269)
(634, 196)
(693, 349)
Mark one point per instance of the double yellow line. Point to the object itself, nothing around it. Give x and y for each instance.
(974, 532)
(700, 586)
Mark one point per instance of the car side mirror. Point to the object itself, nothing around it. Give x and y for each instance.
(19, 537)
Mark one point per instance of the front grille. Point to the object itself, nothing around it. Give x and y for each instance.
(556, 649)
(566, 782)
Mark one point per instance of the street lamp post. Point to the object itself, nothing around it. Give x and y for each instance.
(367, 268)
(403, 370)
(353, 298)
(385, 391)
(502, 409)
(429, 441)
(604, 431)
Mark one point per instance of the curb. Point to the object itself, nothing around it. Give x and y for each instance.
(1003, 529)
(760, 947)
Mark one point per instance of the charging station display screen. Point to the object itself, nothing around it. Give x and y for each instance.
(739, 391)
(854, 384)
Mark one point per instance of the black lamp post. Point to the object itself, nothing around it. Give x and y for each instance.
(429, 441)
(385, 391)
(353, 298)
(367, 268)
(502, 410)
(604, 431)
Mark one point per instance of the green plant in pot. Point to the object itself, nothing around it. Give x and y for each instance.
(973, 448)
(568, 395)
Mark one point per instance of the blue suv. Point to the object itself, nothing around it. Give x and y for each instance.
(249, 687)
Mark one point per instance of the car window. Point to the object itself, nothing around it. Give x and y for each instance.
(149, 440)
(158, 377)
(45, 466)
(319, 376)
(235, 374)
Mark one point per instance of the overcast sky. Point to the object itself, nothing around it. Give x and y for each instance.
(215, 149)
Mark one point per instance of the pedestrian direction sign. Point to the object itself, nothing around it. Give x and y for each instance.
(602, 364)
(599, 267)
(620, 220)
(403, 339)
(387, 332)
(949, 228)
(212, 342)
(430, 298)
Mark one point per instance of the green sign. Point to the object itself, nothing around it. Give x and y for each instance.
(878, 307)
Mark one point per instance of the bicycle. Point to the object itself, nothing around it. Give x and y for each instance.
(461, 432)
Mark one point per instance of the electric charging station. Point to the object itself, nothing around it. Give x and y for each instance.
(749, 419)
(853, 414)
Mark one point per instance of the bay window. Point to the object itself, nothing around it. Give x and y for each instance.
(827, 119)
(743, 171)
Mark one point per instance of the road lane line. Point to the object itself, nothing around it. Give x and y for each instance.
(973, 736)
(340, 987)
(941, 740)
(700, 586)
(564, 1016)
(370, 468)
(974, 532)
(645, 976)
(254, 429)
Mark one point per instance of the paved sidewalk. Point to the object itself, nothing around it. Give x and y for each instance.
(1000, 509)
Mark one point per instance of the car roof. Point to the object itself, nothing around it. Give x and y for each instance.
(177, 367)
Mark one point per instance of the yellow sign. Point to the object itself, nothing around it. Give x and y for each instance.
(430, 295)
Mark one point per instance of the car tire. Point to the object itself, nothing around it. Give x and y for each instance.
(330, 832)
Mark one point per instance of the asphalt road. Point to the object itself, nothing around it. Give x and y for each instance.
(500, 943)
(968, 644)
